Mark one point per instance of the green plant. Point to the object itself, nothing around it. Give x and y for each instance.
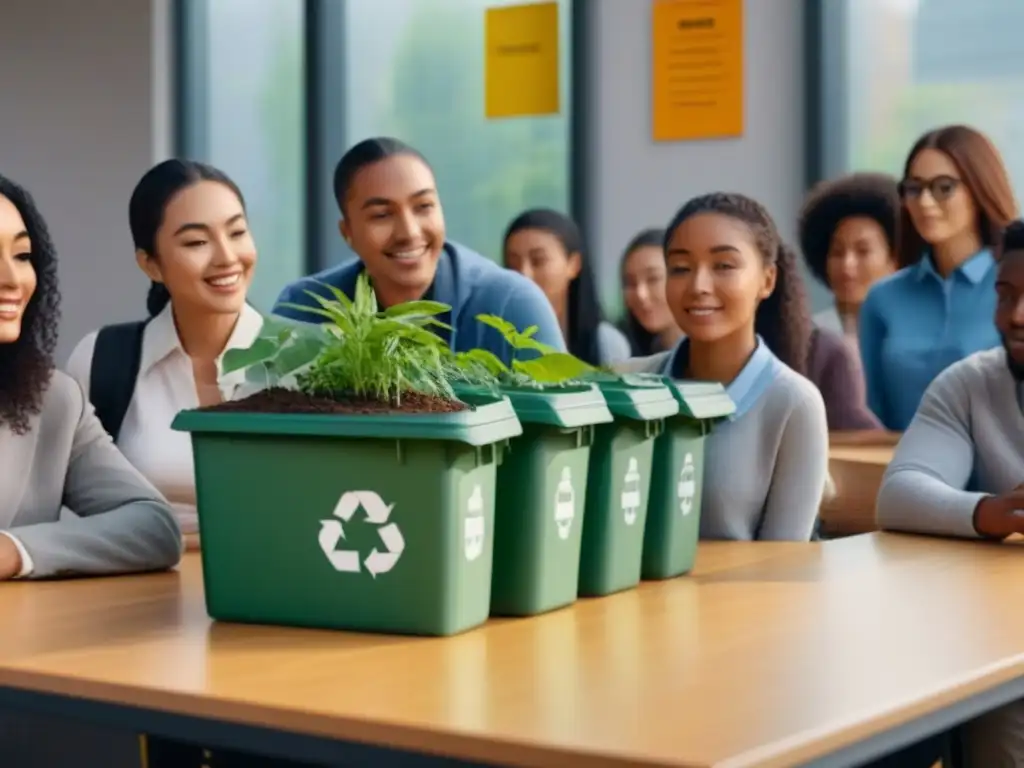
(357, 351)
(547, 366)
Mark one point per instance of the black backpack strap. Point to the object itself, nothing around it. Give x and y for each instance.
(116, 357)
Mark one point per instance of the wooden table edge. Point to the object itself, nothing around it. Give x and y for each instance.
(797, 750)
(804, 749)
(410, 737)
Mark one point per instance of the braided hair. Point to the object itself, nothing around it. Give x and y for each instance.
(783, 319)
(26, 365)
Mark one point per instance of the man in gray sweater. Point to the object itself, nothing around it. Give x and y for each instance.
(959, 468)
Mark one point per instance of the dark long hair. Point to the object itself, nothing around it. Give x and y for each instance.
(149, 201)
(363, 154)
(26, 365)
(984, 177)
(641, 341)
(783, 319)
(584, 308)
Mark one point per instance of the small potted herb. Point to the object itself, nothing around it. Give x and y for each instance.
(353, 490)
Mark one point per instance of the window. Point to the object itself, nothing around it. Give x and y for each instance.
(243, 110)
(274, 91)
(901, 67)
(414, 69)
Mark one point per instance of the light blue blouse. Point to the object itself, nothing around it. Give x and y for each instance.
(915, 323)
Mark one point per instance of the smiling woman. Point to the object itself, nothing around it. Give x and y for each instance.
(765, 469)
(956, 198)
(192, 240)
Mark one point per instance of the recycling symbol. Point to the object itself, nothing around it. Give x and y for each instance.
(631, 492)
(687, 488)
(473, 525)
(377, 512)
(565, 504)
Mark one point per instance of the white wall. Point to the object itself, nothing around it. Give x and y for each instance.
(638, 183)
(84, 93)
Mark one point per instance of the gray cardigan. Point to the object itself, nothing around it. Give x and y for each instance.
(68, 463)
(964, 443)
(765, 470)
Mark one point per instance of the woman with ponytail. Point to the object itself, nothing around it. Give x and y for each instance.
(192, 240)
(734, 295)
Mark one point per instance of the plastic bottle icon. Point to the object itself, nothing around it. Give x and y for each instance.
(473, 525)
(565, 504)
(631, 492)
(687, 488)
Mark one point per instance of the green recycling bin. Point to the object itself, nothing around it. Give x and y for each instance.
(379, 523)
(673, 508)
(542, 486)
(618, 483)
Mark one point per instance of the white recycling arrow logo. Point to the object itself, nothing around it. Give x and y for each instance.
(565, 504)
(631, 492)
(687, 488)
(332, 532)
(473, 525)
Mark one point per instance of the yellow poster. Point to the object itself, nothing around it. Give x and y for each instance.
(521, 60)
(697, 69)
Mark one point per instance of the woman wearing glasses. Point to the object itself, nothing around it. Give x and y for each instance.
(956, 199)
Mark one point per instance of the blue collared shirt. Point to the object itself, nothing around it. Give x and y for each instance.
(745, 390)
(471, 284)
(915, 324)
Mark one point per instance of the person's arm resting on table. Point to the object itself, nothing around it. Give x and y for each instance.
(801, 472)
(123, 524)
(924, 487)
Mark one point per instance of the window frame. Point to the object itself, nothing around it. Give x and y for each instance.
(826, 89)
(324, 76)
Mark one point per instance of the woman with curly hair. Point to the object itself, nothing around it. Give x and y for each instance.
(848, 234)
(744, 315)
(53, 451)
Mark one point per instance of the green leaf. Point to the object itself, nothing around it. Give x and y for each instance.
(484, 358)
(424, 308)
(554, 368)
(500, 324)
(528, 343)
(261, 351)
(530, 332)
(298, 354)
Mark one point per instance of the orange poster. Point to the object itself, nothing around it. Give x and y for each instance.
(697, 69)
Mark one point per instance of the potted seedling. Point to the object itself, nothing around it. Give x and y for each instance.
(352, 489)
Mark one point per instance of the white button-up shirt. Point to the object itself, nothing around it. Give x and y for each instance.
(166, 385)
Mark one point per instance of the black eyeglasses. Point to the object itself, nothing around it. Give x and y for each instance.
(941, 188)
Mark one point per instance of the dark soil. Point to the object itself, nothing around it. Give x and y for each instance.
(278, 400)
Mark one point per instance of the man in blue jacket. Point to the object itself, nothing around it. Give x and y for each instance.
(391, 217)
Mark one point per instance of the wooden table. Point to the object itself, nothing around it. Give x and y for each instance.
(772, 654)
(857, 473)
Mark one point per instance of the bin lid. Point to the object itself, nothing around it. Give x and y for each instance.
(489, 420)
(702, 400)
(638, 397)
(563, 406)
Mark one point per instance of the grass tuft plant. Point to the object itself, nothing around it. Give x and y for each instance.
(358, 351)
